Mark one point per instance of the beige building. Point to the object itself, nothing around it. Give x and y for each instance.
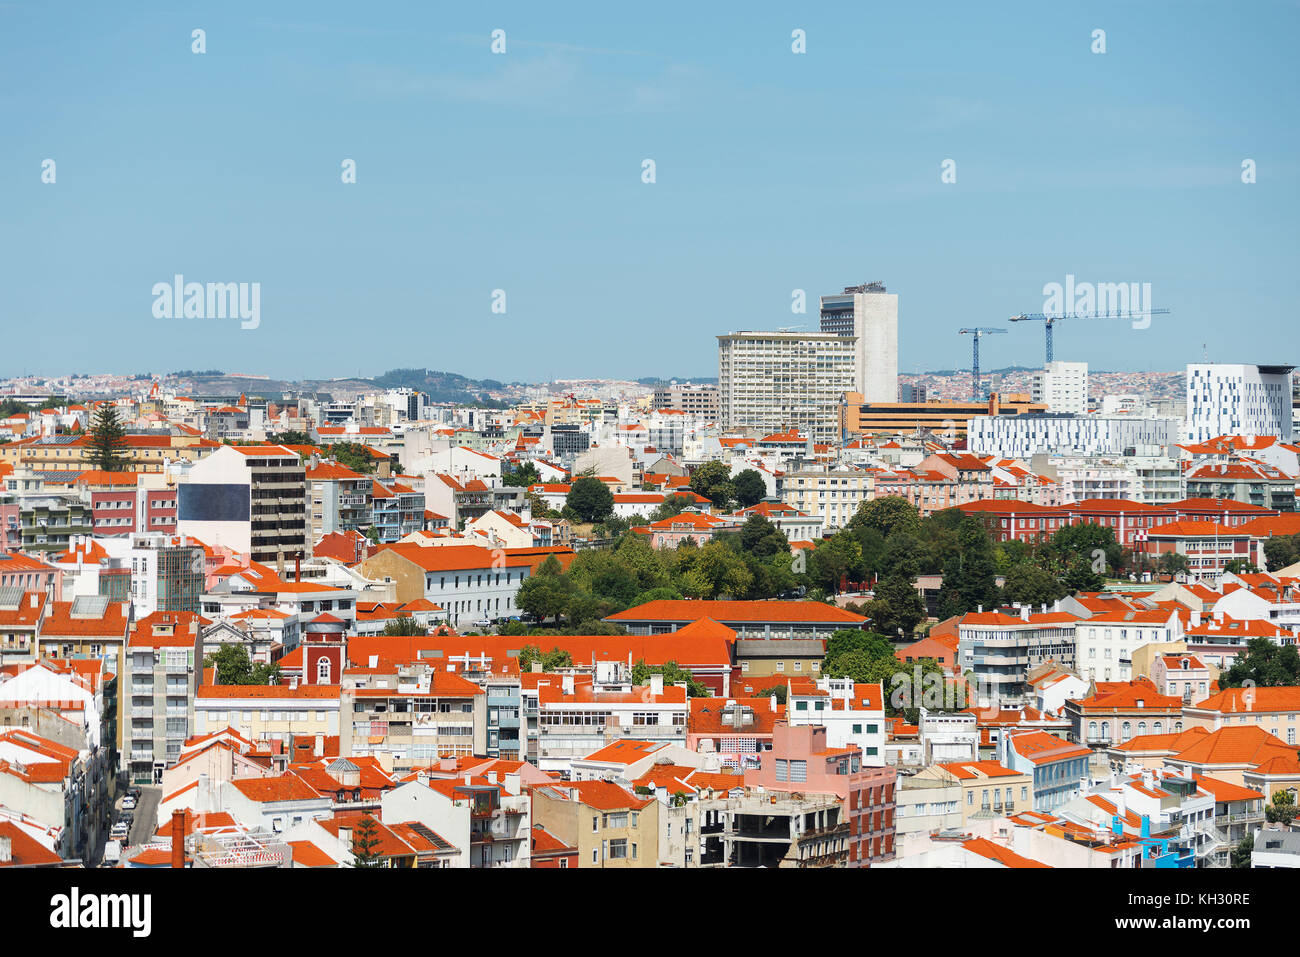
(268, 712)
(1274, 710)
(834, 494)
(610, 827)
(987, 788)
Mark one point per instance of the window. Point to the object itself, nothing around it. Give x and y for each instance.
(595, 824)
(618, 849)
(798, 770)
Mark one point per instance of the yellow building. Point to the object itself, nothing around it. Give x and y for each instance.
(610, 827)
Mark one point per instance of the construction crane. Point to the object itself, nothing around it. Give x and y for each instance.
(978, 332)
(1050, 321)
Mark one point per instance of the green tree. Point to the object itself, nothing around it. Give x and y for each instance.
(717, 571)
(552, 660)
(896, 607)
(1086, 544)
(750, 489)
(1281, 551)
(522, 475)
(1171, 563)
(234, 667)
(352, 455)
(1029, 584)
(673, 674)
(713, 481)
(547, 593)
(1282, 810)
(760, 538)
(108, 439)
(403, 625)
(887, 515)
(365, 843)
(672, 506)
(1264, 665)
(780, 691)
(1242, 852)
(590, 499)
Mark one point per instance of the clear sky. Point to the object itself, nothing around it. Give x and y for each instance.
(523, 172)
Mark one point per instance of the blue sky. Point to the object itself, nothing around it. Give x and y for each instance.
(522, 172)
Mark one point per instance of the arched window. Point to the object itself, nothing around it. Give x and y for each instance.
(1159, 727)
(1105, 730)
(1178, 727)
(1092, 730)
(1126, 731)
(1186, 664)
(322, 671)
(1142, 727)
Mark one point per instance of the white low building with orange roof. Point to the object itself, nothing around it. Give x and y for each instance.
(852, 713)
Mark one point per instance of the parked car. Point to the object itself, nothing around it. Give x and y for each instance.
(112, 853)
(121, 830)
(483, 623)
(128, 802)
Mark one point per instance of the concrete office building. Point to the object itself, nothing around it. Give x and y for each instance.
(780, 381)
(1224, 399)
(869, 315)
(1062, 387)
(699, 400)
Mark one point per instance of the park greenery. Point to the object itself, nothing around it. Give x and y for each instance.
(884, 549)
(234, 667)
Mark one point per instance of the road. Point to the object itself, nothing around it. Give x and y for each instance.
(146, 815)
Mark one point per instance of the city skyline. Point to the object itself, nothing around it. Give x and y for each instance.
(523, 172)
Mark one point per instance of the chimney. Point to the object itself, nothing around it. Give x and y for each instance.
(491, 776)
(35, 599)
(6, 850)
(178, 838)
(1024, 612)
(773, 703)
(656, 684)
(319, 749)
(468, 778)
(345, 837)
(513, 782)
(566, 685)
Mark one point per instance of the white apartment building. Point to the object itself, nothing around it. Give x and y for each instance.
(832, 494)
(1062, 387)
(853, 714)
(1225, 399)
(779, 381)
(1021, 436)
(870, 316)
(1104, 643)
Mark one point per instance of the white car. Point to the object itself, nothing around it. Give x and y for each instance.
(483, 623)
(120, 832)
(128, 803)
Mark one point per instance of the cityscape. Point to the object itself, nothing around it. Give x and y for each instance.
(754, 547)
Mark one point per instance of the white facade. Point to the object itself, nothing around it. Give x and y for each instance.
(870, 315)
(853, 715)
(1062, 387)
(1246, 400)
(1021, 436)
(1104, 645)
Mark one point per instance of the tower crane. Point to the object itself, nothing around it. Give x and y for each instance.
(1051, 320)
(977, 333)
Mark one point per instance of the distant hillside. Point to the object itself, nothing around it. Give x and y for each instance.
(441, 386)
(695, 379)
